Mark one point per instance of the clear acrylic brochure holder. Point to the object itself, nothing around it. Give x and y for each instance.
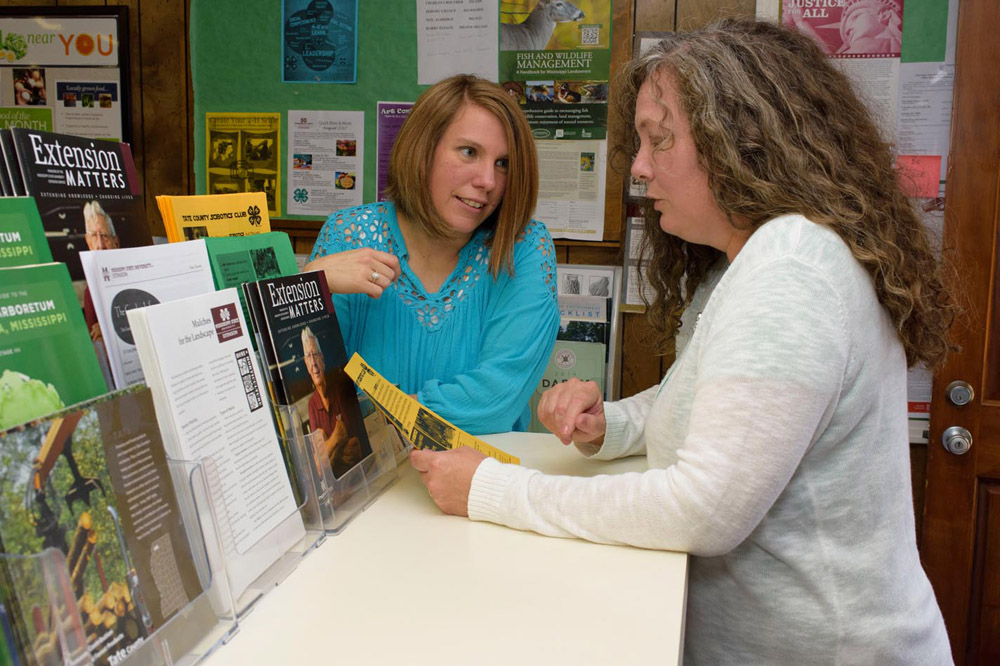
(58, 628)
(46, 607)
(342, 499)
(274, 555)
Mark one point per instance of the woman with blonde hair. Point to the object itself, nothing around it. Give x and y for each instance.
(448, 288)
(803, 285)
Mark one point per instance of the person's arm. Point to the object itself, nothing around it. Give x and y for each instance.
(518, 334)
(769, 376)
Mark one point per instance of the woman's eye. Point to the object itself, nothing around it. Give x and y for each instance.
(503, 163)
(467, 151)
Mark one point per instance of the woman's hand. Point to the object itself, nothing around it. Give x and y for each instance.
(361, 271)
(448, 476)
(574, 412)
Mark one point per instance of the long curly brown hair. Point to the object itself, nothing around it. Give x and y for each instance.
(779, 131)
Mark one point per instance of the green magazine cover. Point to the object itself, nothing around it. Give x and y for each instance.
(22, 238)
(46, 353)
(239, 259)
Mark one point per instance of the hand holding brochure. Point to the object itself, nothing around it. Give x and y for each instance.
(418, 424)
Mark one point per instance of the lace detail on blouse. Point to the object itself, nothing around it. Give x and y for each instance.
(368, 226)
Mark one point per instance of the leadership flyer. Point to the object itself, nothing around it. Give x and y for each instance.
(320, 41)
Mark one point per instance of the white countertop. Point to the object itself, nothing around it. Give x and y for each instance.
(405, 584)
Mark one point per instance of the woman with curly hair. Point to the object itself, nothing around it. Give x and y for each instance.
(777, 444)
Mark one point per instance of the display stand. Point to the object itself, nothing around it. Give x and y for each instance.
(278, 549)
(59, 634)
(342, 499)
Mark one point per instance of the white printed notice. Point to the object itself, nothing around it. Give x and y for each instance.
(571, 188)
(127, 278)
(325, 161)
(456, 37)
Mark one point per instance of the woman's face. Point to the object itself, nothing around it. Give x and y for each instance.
(469, 171)
(676, 182)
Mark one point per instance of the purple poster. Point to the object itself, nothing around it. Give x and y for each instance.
(390, 118)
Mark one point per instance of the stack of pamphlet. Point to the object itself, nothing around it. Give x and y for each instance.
(198, 216)
(87, 191)
(212, 406)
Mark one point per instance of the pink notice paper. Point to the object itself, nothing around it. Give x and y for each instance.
(919, 174)
(849, 28)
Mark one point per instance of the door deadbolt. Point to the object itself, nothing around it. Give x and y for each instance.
(957, 440)
(960, 393)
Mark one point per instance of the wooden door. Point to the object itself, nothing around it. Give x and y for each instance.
(961, 523)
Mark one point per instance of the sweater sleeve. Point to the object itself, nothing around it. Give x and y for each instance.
(519, 330)
(626, 420)
(770, 371)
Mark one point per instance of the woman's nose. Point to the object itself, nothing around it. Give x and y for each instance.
(485, 177)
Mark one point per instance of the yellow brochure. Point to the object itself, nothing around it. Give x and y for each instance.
(421, 426)
(191, 217)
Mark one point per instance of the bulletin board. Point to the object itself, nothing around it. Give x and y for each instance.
(236, 66)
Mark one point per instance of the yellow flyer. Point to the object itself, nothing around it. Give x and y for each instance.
(199, 216)
(420, 425)
(242, 151)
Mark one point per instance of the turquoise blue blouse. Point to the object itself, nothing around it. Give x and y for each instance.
(475, 350)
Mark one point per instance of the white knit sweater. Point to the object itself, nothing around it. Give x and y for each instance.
(778, 454)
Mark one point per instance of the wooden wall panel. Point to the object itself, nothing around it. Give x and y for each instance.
(654, 16)
(167, 102)
(693, 14)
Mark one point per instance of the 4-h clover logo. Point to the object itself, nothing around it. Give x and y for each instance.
(291, 63)
(301, 195)
(225, 314)
(253, 214)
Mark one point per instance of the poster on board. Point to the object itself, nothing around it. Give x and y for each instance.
(555, 59)
(243, 154)
(390, 120)
(319, 41)
(62, 70)
(326, 161)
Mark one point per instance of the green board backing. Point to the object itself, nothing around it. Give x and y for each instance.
(236, 67)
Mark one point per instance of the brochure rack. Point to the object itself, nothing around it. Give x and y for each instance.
(276, 547)
(340, 500)
(206, 622)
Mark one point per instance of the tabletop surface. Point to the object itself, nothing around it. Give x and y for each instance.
(405, 584)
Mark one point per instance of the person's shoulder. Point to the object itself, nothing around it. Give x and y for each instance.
(535, 238)
(368, 225)
(795, 236)
(795, 239)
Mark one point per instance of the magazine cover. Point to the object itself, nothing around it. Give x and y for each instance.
(22, 239)
(87, 191)
(92, 482)
(237, 260)
(309, 359)
(48, 358)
